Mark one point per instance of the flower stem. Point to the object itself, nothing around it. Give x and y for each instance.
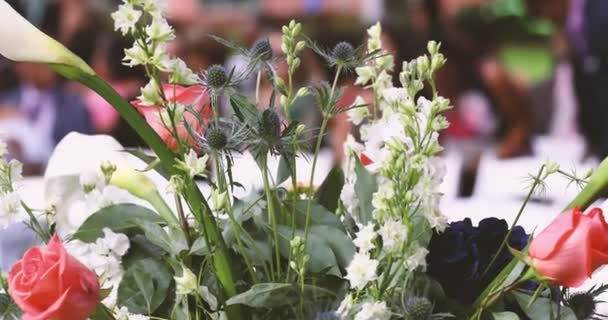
(521, 210)
(271, 213)
(257, 87)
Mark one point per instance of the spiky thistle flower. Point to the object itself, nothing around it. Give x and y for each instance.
(259, 56)
(217, 80)
(584, 304)
(223, 137)
(270, 135)
(344, 55)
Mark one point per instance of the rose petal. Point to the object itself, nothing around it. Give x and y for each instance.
(546, 242)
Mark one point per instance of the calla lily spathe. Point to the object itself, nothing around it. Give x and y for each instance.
(22, 41)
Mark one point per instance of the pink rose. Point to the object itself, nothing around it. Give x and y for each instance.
(571, 247)
(52, 285)
(194, 98)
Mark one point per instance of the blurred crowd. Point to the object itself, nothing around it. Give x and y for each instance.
(516, 68)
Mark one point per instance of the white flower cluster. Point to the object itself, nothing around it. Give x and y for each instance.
(97, 194)
(124, 314)
(399, 147)
(104, 258)
(11, 210)
(145, 21)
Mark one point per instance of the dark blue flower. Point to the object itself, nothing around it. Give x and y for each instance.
(459, 256)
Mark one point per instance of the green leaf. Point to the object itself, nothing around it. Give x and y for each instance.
(144, 286)
(120, 218)
(173, 242)
(101, 313)
(505, 316)
(199, 247)
(243, 109)
(319, 215)
(8, 309)
(272, 295)
(338, 241)
(322, 257)
(328, 193)
(365, 187)
(284, 169)
(542, 307)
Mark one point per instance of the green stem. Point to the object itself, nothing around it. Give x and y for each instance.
(44, 236)
(521, 210)
(193, 196)
(257, 88)
(595, 188)
(271, 213)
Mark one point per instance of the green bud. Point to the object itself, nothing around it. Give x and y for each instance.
(302, 92)
(433, 47)
(283, 101)
(296, 62)
(285, 29)
(409, 196)
(108, 169)
(292, 24)
(300, 46)
(219, 200)
(187, 283)
(437, 62)
(300, 130)
(296, 29)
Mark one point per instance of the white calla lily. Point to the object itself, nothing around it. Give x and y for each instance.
(77, 154)
(22, 41)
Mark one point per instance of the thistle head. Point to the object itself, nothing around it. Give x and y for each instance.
(418, 308)
(261, 49)
(216, 138)
(343, 51)
(216, 76)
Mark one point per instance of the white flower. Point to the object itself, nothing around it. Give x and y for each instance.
(349, 198)
(394, 234)
(187, 283)
(395, 95)
(359, 113)
(218, 199)
(15, 170)
(21, 41)
(361, 271)
(150, 94)
(365, 238)
(346, 306)
(180, 73)
(196, 166)
(124, 314)
(125, 18)
(364, 75)
(159, 30)
(373, 311)
(154, 7)
(417, 258)
(117, 243)
(135, 56)
(437, 221)
(10, 209)
(384, 194)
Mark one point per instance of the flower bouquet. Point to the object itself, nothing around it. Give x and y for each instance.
(131, 234)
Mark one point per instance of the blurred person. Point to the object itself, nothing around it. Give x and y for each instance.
(473, 69)
(584, 27)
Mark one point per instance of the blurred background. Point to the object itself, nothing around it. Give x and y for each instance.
(527, 77)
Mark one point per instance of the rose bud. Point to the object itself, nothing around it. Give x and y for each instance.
(568, 250)
(51, 284)
(191, 105)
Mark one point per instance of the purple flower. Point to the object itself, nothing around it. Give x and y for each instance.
(459, 256)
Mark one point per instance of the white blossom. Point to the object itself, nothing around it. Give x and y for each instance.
(124, 314)
(364, 75)
(196, 166)
(346, 306)
(395, 96)
(136, 55)
(186, 283)
(91, 180)
(417, 258)
(125, 18)
(374, 311)
(394, 235)
(365, 238)
(154, 7)
(358, 112)
(150, 94)
(361, 271)
(159, 30)
(349, 198)
(10, 209)
(180, 73)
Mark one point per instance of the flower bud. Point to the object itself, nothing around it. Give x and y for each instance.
(302, 92)
(108, 169)
(219, 200)
(300, 130)
(187, 283)
(296, 29)
(300, 46)
(433, 47)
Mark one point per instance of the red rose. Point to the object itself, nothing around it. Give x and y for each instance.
(194, 98)
(571, 247)
(52, 285)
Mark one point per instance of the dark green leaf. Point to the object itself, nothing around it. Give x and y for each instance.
(328, 193)
(120, 218)
(542, 307)
(173, 242)
(365, 187)
(322, 257)
(319, 215)
(144, 286)
(507, 315)
(244, 110)
(8, 309)
(338, 241)
(101, 313)
(272, 295)
(284, 169)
